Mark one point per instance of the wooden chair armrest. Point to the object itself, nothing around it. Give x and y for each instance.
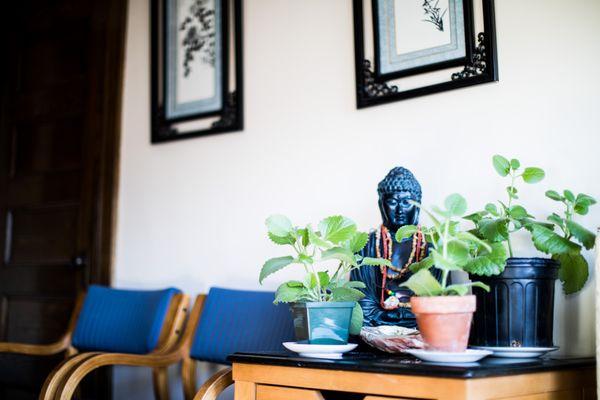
(57, 376)
(213, 387)
(105, 359)
(37, 349)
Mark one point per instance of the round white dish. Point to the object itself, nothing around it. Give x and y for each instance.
(334, 351)
(517, 352)
(468, 356)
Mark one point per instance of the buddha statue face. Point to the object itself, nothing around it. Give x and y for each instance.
(397, 210)
(396, 191)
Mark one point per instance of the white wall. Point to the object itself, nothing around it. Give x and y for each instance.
(191, 212)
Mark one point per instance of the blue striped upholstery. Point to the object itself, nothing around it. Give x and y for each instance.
(237, 320)
(123, 321)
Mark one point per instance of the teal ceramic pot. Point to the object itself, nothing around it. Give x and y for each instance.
(322, 322)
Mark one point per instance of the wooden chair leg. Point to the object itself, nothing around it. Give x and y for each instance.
(160, 380)
(188, 377)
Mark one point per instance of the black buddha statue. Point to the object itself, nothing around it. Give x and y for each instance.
(385, 303)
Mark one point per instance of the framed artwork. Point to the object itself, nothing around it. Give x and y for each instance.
(196, 68)
(409, 48)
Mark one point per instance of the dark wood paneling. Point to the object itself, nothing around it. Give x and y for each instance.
(45, 235)
(60, 89)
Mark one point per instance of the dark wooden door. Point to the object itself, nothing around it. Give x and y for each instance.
(58, 73)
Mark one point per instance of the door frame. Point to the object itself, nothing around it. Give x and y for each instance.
(109, 108)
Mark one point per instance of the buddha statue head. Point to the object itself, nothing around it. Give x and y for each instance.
(395, 192)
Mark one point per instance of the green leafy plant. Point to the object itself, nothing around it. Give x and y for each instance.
(574, 269)
(497, 224)
(336, 238)
(453, 249)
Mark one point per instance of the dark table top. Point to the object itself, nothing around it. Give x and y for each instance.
(408, 365)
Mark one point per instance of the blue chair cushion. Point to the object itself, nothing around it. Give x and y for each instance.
(122, 321)
(240, 321)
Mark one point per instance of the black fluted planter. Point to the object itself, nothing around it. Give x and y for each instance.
(519, 309)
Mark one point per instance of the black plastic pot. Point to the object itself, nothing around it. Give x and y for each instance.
(519, 309)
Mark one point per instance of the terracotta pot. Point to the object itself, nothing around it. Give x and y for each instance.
(444, 321)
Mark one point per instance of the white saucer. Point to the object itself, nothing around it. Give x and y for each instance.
(468, 356)
(517, 352)
(334, 351)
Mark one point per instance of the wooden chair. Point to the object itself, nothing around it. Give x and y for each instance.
(232, 321)
(124, 327)
(220, 323)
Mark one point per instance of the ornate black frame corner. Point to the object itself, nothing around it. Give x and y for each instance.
(231, 115)
(372, 90)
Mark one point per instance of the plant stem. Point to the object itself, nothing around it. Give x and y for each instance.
(510, 199)
(444, 278)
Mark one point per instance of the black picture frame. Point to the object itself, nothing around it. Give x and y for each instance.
(468, 28)
(230, 115)
(481, 65)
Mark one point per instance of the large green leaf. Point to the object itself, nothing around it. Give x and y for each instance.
(339, 253)
(533, 174)
(289, 239)
(279, 225)
(488, 263)
(337, 229)
(547, 241)
(443, 263)
(375, 262)
(317, 240)
(405, 231)
(494, 230)
(290, 294)
(501, 165)
(273, 265)
(456, 205)
(423, 283)
(425, 263)
(356, 322)
(355, 284)
(580, 233)
(357, 242)
(573, 272)
(346, 294)
(457, 252)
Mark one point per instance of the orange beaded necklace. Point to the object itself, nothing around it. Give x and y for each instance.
(383, 238)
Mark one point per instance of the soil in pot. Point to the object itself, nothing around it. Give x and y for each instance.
(444, 321)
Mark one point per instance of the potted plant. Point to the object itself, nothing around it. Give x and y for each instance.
(444, 311)
(323, 304)
(519, 311)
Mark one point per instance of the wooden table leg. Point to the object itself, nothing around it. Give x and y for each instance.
(245, 390)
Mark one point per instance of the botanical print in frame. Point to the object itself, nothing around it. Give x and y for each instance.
(197, 68)
(479, 65)
(194, 58)
(415, 36)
